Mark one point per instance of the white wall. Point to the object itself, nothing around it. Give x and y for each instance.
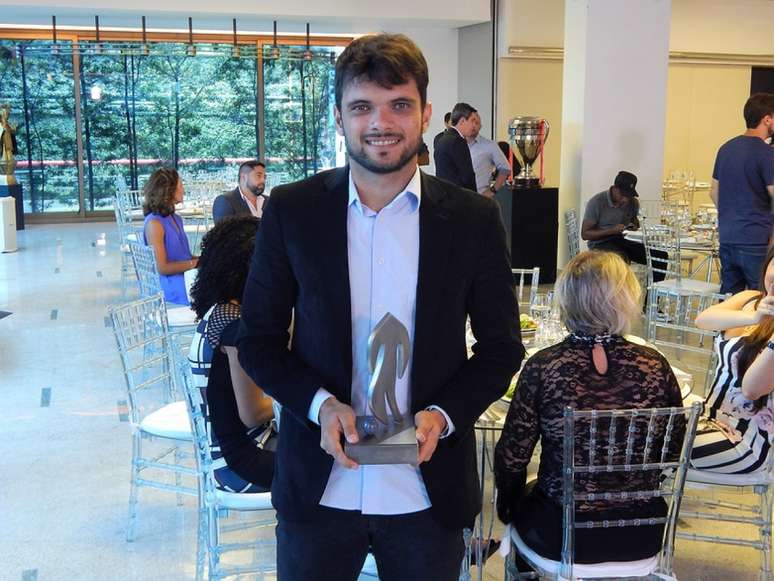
(474, 76)
(723, 26)
(531, 23)
(716, 26)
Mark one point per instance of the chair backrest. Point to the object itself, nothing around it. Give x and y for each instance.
(144, 259)
(665, 239)
(130, 200)
(638, 444)
(141, 333)
(671, 327)
(198, 414)
(573, 233)
(519, 275)
(650, 210)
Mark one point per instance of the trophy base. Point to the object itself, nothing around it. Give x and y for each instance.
(395, 443)
(526, 183)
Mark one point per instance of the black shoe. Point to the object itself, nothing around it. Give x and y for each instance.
(490, 548)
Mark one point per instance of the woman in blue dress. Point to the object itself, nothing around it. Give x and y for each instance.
(163, 230)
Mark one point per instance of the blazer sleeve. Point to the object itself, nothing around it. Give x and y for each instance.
(445, 168)
(464, 163)
(221, 208)
(498, 351)
(267, 306)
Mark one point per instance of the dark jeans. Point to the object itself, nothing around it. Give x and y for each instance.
(740, 266)
(632, 251)
(407, 547)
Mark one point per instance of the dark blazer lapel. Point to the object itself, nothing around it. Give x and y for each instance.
(435, 236)
(333, 243)
(243, 203)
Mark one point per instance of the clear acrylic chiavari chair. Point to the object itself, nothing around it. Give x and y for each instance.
(157, 420)
(573, 232)
(604, 441)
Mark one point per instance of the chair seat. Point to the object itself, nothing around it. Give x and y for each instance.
(617, 570)
(760, 477)
(687, 285)
(244, 500)
(180, 317)
(170, 421)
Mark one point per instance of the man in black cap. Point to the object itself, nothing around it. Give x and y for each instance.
(611, 212)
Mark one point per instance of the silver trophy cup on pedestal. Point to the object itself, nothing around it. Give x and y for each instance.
(387, 434)
(528, 136)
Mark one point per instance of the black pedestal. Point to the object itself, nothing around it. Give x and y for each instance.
(15, 191)
(534, 228)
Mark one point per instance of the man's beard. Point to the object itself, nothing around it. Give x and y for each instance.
(374, 166)
(256, 189)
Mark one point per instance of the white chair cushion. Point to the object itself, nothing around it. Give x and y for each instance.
(181, 317)
(612, 569)
(170, 421)
(706, 477)
(688, 285)
(244, 500)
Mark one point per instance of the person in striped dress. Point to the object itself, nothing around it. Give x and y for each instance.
(737, 432)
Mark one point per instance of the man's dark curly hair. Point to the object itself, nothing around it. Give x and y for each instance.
(223, 263)
(385, 59)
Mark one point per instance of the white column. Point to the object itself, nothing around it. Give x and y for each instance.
(616, 54)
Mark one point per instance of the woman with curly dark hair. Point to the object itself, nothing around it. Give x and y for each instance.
(163, 230)
(239, 413)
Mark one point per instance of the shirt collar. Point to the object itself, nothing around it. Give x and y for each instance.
(247, 200)
(412, 192)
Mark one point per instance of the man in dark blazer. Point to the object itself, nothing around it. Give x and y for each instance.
(446, 126)
(335, 253)
(247, 198)
(452, 154)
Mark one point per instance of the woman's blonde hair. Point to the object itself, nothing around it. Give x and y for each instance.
(159, 192)
(598, 294)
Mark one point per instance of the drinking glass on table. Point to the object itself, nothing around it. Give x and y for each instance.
(540, 307)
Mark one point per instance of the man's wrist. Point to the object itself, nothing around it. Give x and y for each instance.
(448, 425)
(319, 399)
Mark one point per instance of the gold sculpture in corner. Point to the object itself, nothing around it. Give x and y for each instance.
(8, 147)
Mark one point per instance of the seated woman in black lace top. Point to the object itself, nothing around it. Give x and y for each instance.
(592, 368)
(239, 419)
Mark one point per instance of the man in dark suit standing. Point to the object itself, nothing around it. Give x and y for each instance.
(247, 198)
(336, 252)
(452, 154)
(446, 126)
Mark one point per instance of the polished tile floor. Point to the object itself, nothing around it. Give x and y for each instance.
(64, 478)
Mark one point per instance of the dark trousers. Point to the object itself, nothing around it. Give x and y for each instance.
(632, 251)
(740, 266)
(407, 547)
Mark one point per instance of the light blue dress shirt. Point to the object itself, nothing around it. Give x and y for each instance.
(487, 155)
(383, 253)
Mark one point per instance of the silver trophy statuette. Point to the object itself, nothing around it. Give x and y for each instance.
(387, 434)
(528, 135)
